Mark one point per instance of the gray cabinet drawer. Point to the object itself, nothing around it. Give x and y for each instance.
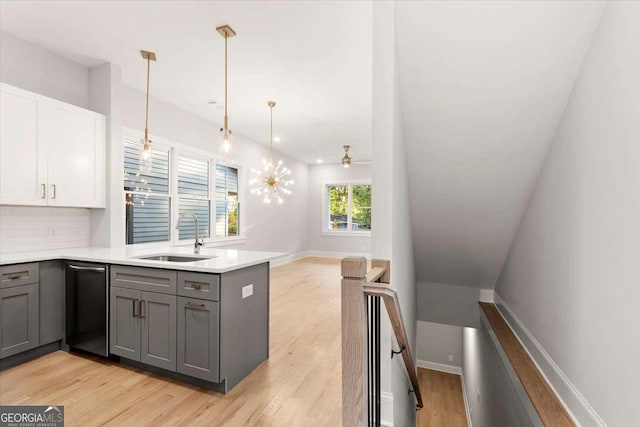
(199, 285)
(19, 274)
(144, 279)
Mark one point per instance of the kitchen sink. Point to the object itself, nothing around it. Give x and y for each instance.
(176, 258)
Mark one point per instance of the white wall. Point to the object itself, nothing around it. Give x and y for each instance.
(391, 222)
(491, 394)
(572, 274)
(271, 227)
(319, 176)
(437, 343)
(38, 70)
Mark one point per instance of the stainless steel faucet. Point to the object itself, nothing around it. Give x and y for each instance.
(199, 241)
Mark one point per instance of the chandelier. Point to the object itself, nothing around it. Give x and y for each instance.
(272, 180)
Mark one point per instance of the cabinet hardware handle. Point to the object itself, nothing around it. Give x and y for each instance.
(16, 276)
(190, 304)
(53, 190)
(142, 309)
(134, 307)
(43, 191)
(195, 285)
(80, 268)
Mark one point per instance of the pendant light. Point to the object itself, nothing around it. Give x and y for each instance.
(346, 160)
(272, 180)
(225, 133)
(145, 155)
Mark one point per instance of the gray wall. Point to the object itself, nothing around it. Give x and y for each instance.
(436, 342)
(572, 275)
(319, 176)
(491, 395)
(450, 304)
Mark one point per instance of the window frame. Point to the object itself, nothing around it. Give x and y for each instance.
(325, 209)
(182, 150)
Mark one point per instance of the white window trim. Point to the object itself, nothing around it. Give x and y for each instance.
(325, 206)
(177, 149)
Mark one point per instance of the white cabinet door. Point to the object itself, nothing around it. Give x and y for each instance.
(75, 162)
(22, 157)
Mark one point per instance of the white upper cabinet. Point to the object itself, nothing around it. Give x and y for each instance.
(53, 153)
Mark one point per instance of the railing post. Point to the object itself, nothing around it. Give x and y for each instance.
(354, 342)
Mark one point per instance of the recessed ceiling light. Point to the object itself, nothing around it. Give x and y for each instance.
(212, 102)
(319, 161)
(276, 139)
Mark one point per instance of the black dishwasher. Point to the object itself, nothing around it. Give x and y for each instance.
(87, 301)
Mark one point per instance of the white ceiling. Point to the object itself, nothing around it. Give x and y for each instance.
(483, 87)
(313, 58)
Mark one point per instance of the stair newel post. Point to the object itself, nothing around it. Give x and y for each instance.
(354, 342)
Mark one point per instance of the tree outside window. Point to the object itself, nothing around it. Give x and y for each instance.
(349, 207)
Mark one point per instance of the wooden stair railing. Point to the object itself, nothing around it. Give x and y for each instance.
(357, 285)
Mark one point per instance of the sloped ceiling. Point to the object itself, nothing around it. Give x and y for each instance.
(483, 88)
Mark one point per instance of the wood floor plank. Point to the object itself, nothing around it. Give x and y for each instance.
(544, 400)
(444, 404)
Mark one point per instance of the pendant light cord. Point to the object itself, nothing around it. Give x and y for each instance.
(271, 136)
(226, 118)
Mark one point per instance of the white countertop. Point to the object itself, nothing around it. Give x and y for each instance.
(223, 260)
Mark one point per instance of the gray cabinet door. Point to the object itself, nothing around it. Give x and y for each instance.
(124, 326)
(198, 338)
(19, 311)
(51, 302)
(158, 334)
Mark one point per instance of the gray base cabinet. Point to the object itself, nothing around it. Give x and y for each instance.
(143, 327)
(158, 330)
(198, 338)
(19, 311)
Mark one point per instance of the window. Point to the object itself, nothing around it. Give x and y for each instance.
(147, 198)
(227, 204)
(348, 208)
(193, 197)
(178, 182)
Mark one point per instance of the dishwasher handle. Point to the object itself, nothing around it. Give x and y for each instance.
(80, 268)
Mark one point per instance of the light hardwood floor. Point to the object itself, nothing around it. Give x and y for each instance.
(444, 404)
(299, 385)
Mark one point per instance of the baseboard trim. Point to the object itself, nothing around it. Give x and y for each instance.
(575, 403)
(466, 401)
(386, 408)
(441, 367)
(331, 254)
(288, 258)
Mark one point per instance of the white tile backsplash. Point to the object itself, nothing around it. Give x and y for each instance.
(28, 228)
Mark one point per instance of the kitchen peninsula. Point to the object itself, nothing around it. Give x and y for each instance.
(201, 318)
